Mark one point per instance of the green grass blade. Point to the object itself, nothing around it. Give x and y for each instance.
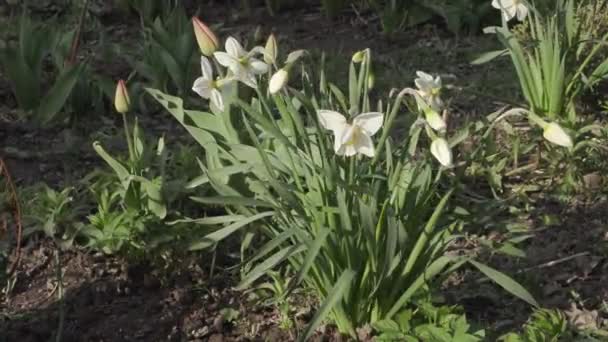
(211, 239)
(335, 295)
(506, 283)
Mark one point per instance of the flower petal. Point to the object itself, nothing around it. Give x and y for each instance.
(365, 145)
(346, 150)
(225, 59)
(424, 76)
(206, 68)
(338, 133)
(331, 120)
(370, 123)
(247, 78)
(202, 87)
(234, 48)
(217, 100)
(257, 66)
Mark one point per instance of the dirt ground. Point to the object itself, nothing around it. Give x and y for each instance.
(108, 299)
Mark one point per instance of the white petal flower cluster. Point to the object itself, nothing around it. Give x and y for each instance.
(242, 65)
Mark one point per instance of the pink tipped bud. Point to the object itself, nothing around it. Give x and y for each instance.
(121, 99)
(206, 39)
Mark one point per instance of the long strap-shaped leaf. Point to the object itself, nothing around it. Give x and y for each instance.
(506, 283)
(211, 239)
(335, 295)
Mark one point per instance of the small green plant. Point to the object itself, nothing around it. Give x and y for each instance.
(132, 202)
(462, 15)
(169, 50)
(278, 287)
(555, 65)
(428, 323)
(556, 68)
(24, 64)
(56, 214)
(150, 10)
(544, 326)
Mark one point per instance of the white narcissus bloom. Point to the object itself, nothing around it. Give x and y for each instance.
(241, 63)
(442, 152)
(511, 9)
(352, 138)
(207, 87)
(429, 88)
(278, 81)
(554, 133)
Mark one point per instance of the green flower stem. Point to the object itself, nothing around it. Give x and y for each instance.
(128, 136)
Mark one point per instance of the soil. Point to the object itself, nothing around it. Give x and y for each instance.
(105, 298)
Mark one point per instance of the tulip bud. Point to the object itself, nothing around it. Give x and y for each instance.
(206, 39)
(121, 99)
(442, 152)
(555, 134)
(278, 81)
(271, 50)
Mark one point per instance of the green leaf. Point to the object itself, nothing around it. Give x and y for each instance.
(333, 297)
(121, 171)
(506, 283)
(56, 98)
(232, 200)
(211, 239)
(212, 220)
(386, 326)
(269, 263)
(313, 251)
(488, 56)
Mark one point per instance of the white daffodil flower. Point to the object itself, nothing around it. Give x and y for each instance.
(442, 152)
(429, 88)
(555, 134)
(352, 138)
(207, 87)
(511, 9)
(241, 63)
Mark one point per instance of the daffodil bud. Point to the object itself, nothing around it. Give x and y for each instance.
(434, 120)
(555, 134)
(359, 56)
(121, 99)
(371, 80)
(442, 152)
(271, 50)
(206, 39)
(278, 81)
